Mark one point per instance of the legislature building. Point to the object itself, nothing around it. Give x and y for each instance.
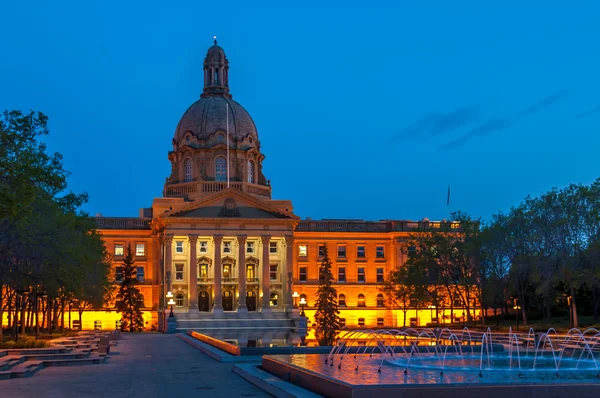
(226, 250)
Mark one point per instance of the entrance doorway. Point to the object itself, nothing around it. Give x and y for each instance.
(227, 301)
(251, 301)
(203, 304)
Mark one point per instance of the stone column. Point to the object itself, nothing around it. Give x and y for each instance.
(289, 272)
(242, 274)
(169, 261)
(193, 282)
(266, 287)
(218, 269)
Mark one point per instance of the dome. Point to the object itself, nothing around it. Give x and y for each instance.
(208, 115)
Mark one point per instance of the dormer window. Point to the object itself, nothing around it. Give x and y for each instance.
(250, 171)
(220, 169)
(187, 170)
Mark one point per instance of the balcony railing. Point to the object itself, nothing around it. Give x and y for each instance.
(195, 188)
(370, 226)
(252, 281)
(202, 279)
(122, 223)
(229, 280)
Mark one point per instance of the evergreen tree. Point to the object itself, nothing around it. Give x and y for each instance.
(326, 317)
(129, 298)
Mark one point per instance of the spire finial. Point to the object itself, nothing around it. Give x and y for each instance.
(215, 37)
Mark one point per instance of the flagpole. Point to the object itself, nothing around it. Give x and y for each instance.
(227, 103)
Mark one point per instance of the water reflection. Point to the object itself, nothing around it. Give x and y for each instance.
(256, 337)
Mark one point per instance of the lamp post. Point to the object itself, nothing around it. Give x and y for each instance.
(569, 303)
(302, 305)
(517, 307)
(170, 302)
(295, 296)
(431, 307)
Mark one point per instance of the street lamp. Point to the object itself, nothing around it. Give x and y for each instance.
(569, 303)
(170, 302)
(517, 307)
(302, 304)
(295, 296)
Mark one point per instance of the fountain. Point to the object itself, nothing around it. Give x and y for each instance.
(400, 358)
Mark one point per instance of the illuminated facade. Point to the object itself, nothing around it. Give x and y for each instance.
(227, 250)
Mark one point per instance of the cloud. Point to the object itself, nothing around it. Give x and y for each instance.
(587, 113)
(436, 123)
(498, 124)
(543, 104)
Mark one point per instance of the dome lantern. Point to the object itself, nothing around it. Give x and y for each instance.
(216, 72)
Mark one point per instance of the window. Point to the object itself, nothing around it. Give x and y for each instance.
(250, 247)
(250, 171)
(179, 299)
(342, 274)
(226, 271)
(187, 170)
(140, 249)
(360, 252)
(321, 250)
(342, 251)
(361, 300)
(203, 271)
(273, 298)
(380, 300)
(273, 272)
(178, 272)
(273, 247)
(119, 274)
(216, 77)
(361, 321)
(139, 274)
(250, 271)
(379, 275)
(303, 276)
(220, 169)
(203, 246)
(379, 322)
(179, 246)
(342, 300)
(342, 322)
(361, 274)
(379, 252)
(118, 250)
(226, 247)
(302, 251)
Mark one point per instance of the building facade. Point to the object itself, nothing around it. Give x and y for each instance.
(223, 246)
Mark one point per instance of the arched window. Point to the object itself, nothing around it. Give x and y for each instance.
(187, 170)
(380, 300)
(361, 300)
(216, 76)
(220, 169)
(273, 298)
(250, 171)
(342, 300)
(179, 299)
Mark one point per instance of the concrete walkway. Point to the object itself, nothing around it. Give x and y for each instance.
(148, 365)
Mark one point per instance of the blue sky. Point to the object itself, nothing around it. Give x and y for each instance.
(364, 110)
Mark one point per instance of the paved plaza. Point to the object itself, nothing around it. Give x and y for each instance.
(147, 365)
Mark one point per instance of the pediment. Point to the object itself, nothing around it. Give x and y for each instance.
(229, 204)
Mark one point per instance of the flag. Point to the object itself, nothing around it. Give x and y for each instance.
(448, 198)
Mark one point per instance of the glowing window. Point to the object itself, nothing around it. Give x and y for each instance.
(250, 271)
(361, 300)
(118, 250)
(250, 171)
(179, 298)
(187, 170)
(380, 302)
(220, 169)
(302, 251)
(273, 299)
(140, 249)
(203, 272)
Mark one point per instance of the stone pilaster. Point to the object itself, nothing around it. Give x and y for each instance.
(266, 283)
(242, 274)
(218, 269)
(288, 272)
(169, 261)
(193, 282)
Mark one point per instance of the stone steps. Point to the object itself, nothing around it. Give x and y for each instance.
(29, 367)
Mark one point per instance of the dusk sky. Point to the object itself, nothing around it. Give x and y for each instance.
(366, 110)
